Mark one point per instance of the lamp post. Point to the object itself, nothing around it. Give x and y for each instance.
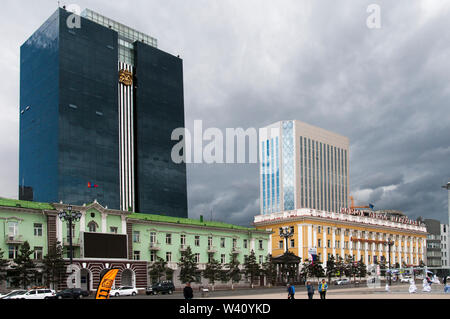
(286, 233)
(390, 242)
(70, 216)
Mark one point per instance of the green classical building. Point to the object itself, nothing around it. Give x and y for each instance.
(105, 238)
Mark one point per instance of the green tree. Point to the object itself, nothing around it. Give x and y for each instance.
(251, 268)
(158, 269)
(312, 269)
(331, 267)
(340, 266)
(23, 269)
(3, 266)
(233, 273)
(54, 266)
(188, 267)
(212, 271)
(270, 270)
(361, 269)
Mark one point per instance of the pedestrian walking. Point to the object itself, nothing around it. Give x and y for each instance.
(188, 292)
(323, 287)
(310, 289)
(291, 291)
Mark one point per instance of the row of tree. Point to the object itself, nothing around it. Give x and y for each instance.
(214, 271)
(24, 271)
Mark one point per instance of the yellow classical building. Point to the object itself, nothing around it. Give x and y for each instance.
(361, 234)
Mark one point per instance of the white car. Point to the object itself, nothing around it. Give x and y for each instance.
(344, 281)
(123, 291)
(13, 293)
(36, 294)
(405, 279)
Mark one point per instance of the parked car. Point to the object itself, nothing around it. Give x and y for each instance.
(405, 279)
(344, 281)
(73, 293)
(161, 287)
(36, 294)
(13, 293)
(123, 291)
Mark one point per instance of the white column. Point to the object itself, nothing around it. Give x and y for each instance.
(406, 249)
(314, 236)
(269, 244)
(124, 225)
(309, 236)
(104, 223)
(411, 251)
(252, 244)
(300, 241)
(325, 253)
(83, 222)
(59, 231)
(333, 240)
(342, 244)
(366, 249)
(358, 246)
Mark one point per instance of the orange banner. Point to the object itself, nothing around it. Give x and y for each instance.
(105, 284)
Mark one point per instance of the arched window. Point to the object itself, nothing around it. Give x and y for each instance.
(92, 226)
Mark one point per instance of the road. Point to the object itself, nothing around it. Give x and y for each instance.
(399, 291)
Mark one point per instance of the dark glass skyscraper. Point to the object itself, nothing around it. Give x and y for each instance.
(98, 104)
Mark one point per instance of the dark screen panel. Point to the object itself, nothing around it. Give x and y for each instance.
(105, 246)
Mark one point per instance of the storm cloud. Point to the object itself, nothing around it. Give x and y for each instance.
(251, 63)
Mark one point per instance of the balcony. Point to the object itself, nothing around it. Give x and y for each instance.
(236, 250)
(14, 239)
(212, 249)
(75, 242)
(154, 246)
(183, 247)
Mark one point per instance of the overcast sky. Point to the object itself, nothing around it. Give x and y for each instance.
(252, 63)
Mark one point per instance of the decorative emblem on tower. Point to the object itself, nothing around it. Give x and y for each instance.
(125, 77)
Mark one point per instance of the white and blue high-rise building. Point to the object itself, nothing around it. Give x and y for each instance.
(303, 166)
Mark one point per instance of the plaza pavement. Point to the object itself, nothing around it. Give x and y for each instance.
(396, 292)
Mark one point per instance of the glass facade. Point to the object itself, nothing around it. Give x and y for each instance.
(159, 109)
(69, 123)
(288, 165)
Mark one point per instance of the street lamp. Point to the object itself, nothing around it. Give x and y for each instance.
(390, 242)
(70, 216)
(286, 233)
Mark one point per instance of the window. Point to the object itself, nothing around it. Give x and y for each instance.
(319, 229)
(92, 226)
(197, 241)
(113, 230)
(292, 243)
(169, 239)
(328, 243)
(136, 237)
(136, 255)
(183, 240)
(73, 230)
(261, 245)
(245, 243)
(222, 242)
(152, 238)
(197, 258)
(38, 230)
(261, 259)
(210, 241)
(13, 229)
(319, 243)
(152, 256)
(168, 256)
(38, 253)
(280, 244)
(12, 252)
(222, 259)
(328, 230)
(292, 229)
(234, 243)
